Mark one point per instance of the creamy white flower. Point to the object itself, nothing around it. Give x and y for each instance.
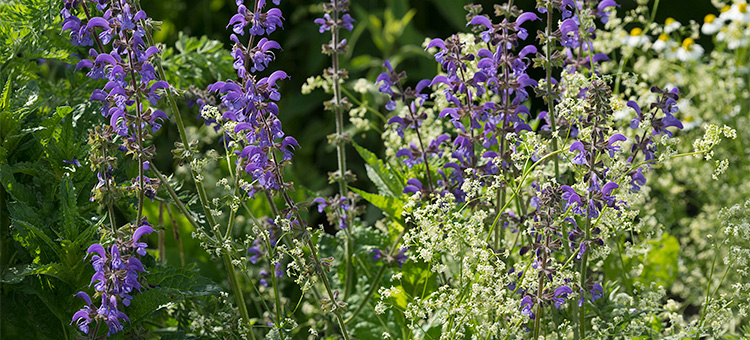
(734, 34)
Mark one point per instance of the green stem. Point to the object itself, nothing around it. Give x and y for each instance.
(708, 290)
(182, 132)
(272, 272)
(705, 303)
(139, 138)
(517, 189)
(175, 198)
(316, 260)
(200, 189)
(548, 79)
(340, 151)
(237, 290)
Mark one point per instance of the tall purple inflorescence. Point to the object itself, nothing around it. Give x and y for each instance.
(121, 58)
(250, 101)
(117, 268)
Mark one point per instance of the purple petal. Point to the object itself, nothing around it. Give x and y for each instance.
(98, 22)
(480, 20)
(85, 297)
(607, 189)
(396, 119)
(403, 152)
(526, 50)
(97, 248)
(616, 138)
(276, 76)
(606, 3)
(526, 17)
(415, 182)
(140, 231)
(436, 43)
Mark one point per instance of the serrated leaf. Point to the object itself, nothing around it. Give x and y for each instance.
(41, 235)
(169, 285)
(388, 181)
(49, 124)
(87, 234)
(392, 206)
(379, 182)
(69, 209)
(16, 274)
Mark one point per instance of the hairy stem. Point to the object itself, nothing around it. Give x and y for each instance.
(419, 137)
(548, 83)
(340, 151)
(199, 187)
(319, 268)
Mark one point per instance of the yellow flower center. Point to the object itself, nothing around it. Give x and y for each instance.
(742, 7)
(663, 37)
(725, 8)
(688, 43)
(636, 32)
(669, 21)
(709, 18)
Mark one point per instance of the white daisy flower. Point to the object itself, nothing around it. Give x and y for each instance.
(665, 44)
(689, 50)
(671, 25)
(711, 24)
(636, 38)
(737, 12)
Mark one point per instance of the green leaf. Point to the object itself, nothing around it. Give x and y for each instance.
(41, 235)
(392, 206)
(26, 318)
(169, 285)
(660, 263)
(16, 274)
(71, 219)
(386, 179)
(50, 124)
